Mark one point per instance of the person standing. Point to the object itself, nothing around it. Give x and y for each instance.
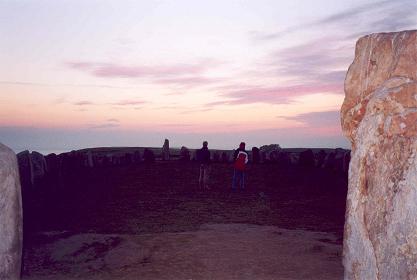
(240, 159)
(203, 156)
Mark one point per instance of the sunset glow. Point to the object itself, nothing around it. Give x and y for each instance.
(78, 74)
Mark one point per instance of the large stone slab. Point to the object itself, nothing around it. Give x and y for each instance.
(10, 216)
(379, 116)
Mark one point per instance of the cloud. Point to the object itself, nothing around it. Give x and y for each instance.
(36, 84)
(320, 65)
(193, 81)
(318, 119)
(181, 74)
(320, 61)
(129, 103)
(380, 16)
(115, 70)
(105, 125)
(83, 103)
(113, 120)
(273, 95)
(193, 111)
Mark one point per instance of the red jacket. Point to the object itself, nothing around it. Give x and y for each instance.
(241, 161)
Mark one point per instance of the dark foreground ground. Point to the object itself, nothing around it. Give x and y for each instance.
(163, 198)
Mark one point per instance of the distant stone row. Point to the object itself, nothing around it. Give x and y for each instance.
(34, 166)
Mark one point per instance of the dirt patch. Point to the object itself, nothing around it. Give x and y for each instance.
(217, 251)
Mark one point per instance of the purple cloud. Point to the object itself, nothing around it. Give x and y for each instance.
(83, 103)
(201, 110)
(318, 119)
(21, 83)
(318, 61)
(105, 125)
(129, 103)
(364, 19)
(192, 81)
(114, 70)
(184, 75)
(274, 95)
(113, 120)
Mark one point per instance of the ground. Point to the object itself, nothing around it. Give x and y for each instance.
(151, 221)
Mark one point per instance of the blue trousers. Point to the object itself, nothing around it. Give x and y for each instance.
(238, 176)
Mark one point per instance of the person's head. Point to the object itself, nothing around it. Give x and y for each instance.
(205, 144)
(242, 145)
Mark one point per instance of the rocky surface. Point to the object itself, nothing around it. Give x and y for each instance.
(379, 116)
(10, 216)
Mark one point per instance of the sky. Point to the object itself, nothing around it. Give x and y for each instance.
(84, 73)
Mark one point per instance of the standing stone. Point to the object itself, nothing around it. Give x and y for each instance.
(11, 235)
(216, 156)
(346, 161)
(262, 155)
(165, 150)
(128, 159)
(224, 157)
(185, 154)
(148, 156)
(52, 162)
(270, 152)
(25, 169)
(330, 161)
(306, 158)
(39, 166)
(136, 157)
(321, 156)
(90, 160)
(284, 159)
(379, 116)
(256, 158)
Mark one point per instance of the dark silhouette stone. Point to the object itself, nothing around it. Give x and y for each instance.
(185, 154)
(268, 151)
(321, 157)
(330, 161)
(306, 158)
(25, 169)
(284, 159)
(216, 157)
(225, 157)
(52, 161)
(165, 150)
(136, 157)
(256, 158)
(148, 156)
(273, 156)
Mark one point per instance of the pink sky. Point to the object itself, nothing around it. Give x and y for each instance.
(130, 73)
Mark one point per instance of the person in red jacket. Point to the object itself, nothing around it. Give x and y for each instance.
(240, 159)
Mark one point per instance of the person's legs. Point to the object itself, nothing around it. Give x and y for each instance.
(206, 176)
(234, 179)
(242, 180)
(200, 178)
